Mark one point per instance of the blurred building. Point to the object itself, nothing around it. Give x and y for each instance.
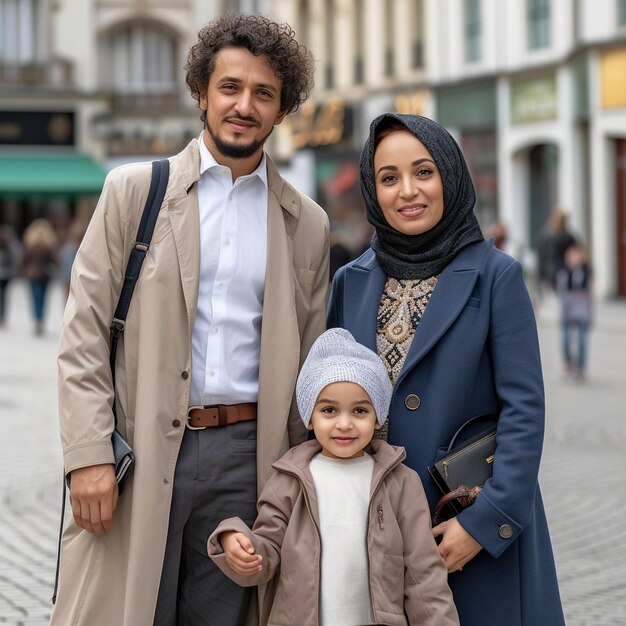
(533, 90)
(86, 85)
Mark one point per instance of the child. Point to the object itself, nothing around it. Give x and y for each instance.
(574, 289)
(342, 520)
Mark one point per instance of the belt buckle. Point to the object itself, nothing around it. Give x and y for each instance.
(187, 424)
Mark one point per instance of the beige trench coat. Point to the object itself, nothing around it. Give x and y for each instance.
(113, 579)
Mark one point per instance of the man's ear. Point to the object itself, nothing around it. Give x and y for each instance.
(280, 117)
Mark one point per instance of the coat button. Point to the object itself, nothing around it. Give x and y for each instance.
(505, 531)
(185, 375)
(176, 423)
(412, 402)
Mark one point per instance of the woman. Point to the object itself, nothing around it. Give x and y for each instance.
(38, 265)
(450, 315)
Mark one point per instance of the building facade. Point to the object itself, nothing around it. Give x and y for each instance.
(533, 90)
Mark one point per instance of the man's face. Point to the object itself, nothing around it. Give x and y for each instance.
(242, 102)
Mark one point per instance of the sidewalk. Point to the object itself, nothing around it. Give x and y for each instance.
(582, 473)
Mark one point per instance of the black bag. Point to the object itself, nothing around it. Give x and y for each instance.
(467, 464)
(123, 453)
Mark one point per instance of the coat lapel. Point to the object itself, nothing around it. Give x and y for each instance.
(454, 288)
(365, 281)
(280, 338)
(181, 203)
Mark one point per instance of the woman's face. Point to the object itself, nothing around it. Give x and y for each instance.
(408, 184)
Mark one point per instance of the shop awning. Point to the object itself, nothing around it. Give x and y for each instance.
(32, 175)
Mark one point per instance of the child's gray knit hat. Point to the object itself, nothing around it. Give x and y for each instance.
(337, 357)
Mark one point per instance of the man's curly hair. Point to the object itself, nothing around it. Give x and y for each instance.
(293, 63)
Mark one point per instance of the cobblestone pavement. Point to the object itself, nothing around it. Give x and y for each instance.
(582, 474)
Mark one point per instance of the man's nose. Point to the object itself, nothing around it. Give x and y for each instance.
(243, 106)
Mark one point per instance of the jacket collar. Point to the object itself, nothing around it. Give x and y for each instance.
(298, 459)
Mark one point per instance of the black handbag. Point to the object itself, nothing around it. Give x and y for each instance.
(467, 464)
(122, 451)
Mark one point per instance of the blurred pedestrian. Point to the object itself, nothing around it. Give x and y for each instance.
(68, 250)
(39, 264)
(575, 293)
(499, 233)
(554, 240)
(230, 298)
(10, 252)
(451, 317)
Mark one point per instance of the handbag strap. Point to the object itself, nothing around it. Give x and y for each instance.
(156, 193)
(462, 494)
(471, 420)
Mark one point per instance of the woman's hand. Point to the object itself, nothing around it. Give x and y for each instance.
(457, 546)
(239, 553)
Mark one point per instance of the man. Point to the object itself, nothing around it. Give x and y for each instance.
(229, 300)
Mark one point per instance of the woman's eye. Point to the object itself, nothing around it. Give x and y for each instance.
(388, 179)
(422, 173)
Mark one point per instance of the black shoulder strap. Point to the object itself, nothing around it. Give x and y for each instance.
(158, 185)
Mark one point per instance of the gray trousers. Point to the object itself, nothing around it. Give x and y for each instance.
(215, 479)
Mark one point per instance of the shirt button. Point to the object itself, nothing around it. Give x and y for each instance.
(412, 402)
(184, 375)
(216, 331)
(227, 241)
(211, 373)
(505, 531)
(176, 423)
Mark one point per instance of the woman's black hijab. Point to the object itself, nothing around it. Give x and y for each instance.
(426, 254)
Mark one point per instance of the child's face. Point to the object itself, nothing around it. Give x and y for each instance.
(343, 420)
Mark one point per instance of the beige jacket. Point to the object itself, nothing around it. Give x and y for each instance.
(113, 579)
(408, 578)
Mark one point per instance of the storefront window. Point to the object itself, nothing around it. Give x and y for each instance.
(539, 22)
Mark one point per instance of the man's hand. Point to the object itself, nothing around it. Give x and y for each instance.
(457, 547)
(93, 494)
(239, 553)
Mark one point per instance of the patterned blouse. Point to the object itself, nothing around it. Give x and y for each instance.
(401, 308)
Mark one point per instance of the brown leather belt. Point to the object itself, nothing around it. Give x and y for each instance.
(220, 414)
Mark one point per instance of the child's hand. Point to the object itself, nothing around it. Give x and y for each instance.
(239, 553)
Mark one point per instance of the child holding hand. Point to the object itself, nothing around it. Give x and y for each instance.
(342, 521)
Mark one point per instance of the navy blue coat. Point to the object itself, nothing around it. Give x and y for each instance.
(475, 352)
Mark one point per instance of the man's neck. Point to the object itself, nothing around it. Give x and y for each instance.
(238, 167)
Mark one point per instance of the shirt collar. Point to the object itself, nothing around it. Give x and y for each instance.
(207, 162)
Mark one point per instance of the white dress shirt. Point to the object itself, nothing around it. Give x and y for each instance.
(233, 252)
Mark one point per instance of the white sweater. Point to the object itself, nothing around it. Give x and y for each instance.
(343, 494)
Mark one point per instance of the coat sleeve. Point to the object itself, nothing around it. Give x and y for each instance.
(427, 596)
(505, 505)
(275, 506)
(84, 377)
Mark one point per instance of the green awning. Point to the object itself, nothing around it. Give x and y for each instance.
(33, 175)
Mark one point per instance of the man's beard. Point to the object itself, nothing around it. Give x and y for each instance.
(234, 150)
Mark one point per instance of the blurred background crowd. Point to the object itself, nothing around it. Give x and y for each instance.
(533, 90)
